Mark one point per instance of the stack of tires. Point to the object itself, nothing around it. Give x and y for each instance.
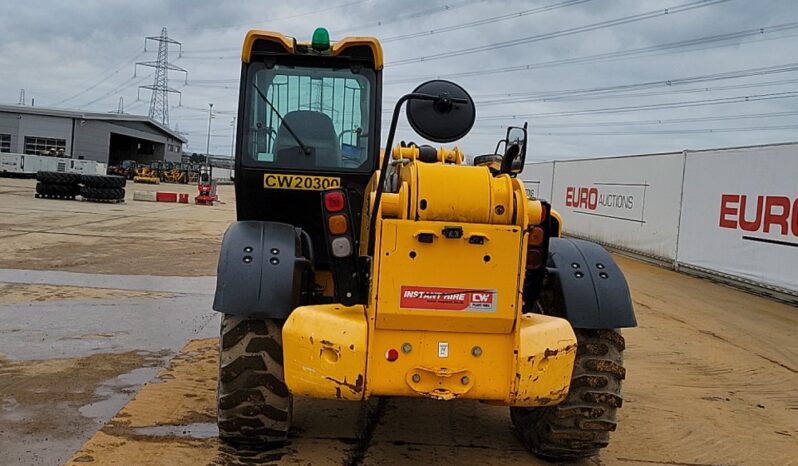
(57, 185)
(101, 188)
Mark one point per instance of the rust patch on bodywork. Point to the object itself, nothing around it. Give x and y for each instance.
(548, 353)
(355, 388)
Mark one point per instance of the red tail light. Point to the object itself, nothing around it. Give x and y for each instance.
(334, 201)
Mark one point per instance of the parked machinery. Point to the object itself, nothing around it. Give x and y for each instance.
(126, 169)
(147, 174)
(206, 186)
(350, 275)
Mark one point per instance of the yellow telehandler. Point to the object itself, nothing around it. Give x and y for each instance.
(353, 273)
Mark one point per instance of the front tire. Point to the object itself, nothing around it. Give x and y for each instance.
(254, 404)
(580, 426)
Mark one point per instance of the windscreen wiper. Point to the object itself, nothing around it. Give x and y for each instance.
(305, 149)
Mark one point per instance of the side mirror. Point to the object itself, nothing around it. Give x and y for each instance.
(492, 161)
(444, 119)
(515, 150)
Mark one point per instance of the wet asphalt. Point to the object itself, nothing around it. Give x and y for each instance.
(77, 328)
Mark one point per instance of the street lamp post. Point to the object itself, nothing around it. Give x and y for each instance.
(210, 117)
(233, 142)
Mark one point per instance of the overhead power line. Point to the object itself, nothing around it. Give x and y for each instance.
(122, 65)
(131, 81)
(744, 73)
(668, 131)
(660, 106)
(566, 32)
(738, 36)
(312, 12)
(481, 22)
(623, 90)
(635, 94)
(449, 6)
(669, 121)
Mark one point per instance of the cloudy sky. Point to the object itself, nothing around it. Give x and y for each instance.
(592, 77)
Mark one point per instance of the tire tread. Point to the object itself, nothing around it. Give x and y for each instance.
(579, 427)
(254, 404)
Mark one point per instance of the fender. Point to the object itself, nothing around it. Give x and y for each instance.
(260, 270)
(588, 286)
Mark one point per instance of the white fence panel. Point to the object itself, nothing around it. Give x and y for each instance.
(538, 178)
(629, 202)
(740, 214)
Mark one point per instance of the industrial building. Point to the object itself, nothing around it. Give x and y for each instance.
(107, 138)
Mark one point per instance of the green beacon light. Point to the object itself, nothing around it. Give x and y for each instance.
(321, 40)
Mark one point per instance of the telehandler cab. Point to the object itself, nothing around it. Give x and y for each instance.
(350, 274)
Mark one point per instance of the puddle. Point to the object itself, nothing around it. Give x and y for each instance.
(71, 329)
(196, 430)
(193, 285)
(115, 393)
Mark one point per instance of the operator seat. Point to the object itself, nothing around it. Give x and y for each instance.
(316, 131)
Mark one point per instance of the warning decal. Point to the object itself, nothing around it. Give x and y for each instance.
(447, 299)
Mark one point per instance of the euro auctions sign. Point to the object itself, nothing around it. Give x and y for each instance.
(447, 299)
(620, 201)
(740, 214)
(765, 218)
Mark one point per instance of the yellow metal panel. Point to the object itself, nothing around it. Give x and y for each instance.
(448, 365)
(489, 375)
(454, 193)
(544, 362)
(324, 351)
(408, 267)
(371, 42)
(556, 215)
(253, 35)
(288, 44)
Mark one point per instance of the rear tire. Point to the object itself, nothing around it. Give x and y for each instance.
(102, 194)
(580, 426)
(56, 191)
(101, 181)
(254, 404)
(61, 178)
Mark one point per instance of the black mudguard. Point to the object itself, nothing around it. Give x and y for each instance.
(260, 271)
(588, 286)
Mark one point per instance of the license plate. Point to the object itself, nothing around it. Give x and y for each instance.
(303, 182)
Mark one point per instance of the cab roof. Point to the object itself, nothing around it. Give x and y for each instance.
(258, 41)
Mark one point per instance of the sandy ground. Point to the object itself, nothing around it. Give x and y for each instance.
(133, 237)
(712, 372)
(712, 380)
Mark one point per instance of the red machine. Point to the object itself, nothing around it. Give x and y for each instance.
(206, 186)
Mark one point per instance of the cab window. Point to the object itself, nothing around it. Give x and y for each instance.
(309, 118)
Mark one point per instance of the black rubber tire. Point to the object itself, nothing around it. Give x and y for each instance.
(580, 426)
(58, 178)
(58, 191)
(102, 194)
(254, 404)
(102, 181)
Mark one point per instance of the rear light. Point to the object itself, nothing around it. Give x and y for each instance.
(534, 258)
(392, 355)
(334, 201)
(537, 236)
(341, 247)
(337, 224)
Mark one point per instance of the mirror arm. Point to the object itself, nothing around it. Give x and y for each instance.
(499, 144)
(446, 100)
(383, 168)
(387, 157)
